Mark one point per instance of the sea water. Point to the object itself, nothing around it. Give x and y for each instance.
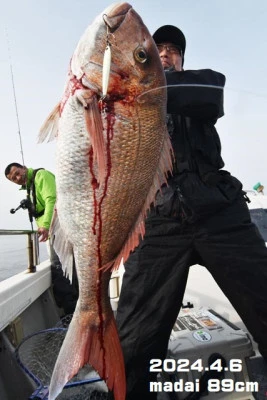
(14, 256)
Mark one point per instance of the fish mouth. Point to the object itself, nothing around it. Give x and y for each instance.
(115, 15)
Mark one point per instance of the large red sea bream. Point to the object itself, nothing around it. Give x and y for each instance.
(113, 153)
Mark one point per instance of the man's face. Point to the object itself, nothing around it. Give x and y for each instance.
(17, 175)
(170, 56)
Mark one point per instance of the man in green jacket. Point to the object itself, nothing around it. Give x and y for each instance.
(41, 186)
(41, 191)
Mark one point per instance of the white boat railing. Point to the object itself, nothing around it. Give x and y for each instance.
(32, 246)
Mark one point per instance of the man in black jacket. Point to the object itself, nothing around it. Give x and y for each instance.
(200, 217)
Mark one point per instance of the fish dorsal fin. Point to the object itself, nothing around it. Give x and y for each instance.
(62, 246)
(49, 128)
(95, 130)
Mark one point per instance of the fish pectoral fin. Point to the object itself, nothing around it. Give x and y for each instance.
(85, 343)
(95, 129)
(49, 128)
(62, 246)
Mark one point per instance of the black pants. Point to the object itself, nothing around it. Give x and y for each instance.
(65, 293)
(227, 244)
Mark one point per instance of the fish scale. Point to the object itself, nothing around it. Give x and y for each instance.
(113, 154)
(133, 178)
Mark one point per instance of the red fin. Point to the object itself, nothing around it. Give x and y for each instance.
(83, 344)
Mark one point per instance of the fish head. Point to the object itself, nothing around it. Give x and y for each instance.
(135, 63)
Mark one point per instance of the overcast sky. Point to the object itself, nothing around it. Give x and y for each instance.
(229, 36)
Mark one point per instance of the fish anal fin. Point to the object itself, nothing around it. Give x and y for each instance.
(49, 128)
(95, 129)
(85, 343)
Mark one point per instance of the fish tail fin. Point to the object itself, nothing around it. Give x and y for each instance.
(86, 343)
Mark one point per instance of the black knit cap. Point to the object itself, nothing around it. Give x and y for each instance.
(172, 34)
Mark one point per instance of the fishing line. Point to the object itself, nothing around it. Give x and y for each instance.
(226, 88)
(14, 95)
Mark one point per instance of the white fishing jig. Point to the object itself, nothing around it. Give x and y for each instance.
(106, 63)
(106, 69)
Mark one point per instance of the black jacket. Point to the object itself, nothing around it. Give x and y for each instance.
(199, 186)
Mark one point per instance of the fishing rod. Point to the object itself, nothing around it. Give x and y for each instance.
(15, 97)
(25, 203)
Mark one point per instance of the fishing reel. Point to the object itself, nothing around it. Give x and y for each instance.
(25, 204)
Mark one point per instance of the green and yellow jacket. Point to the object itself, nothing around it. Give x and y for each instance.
(45, 195)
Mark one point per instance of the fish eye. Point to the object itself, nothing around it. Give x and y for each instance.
(140, 54)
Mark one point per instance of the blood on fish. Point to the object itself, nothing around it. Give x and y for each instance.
(73, 85)
(110, 118)
(94, 186)
(97, 221)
